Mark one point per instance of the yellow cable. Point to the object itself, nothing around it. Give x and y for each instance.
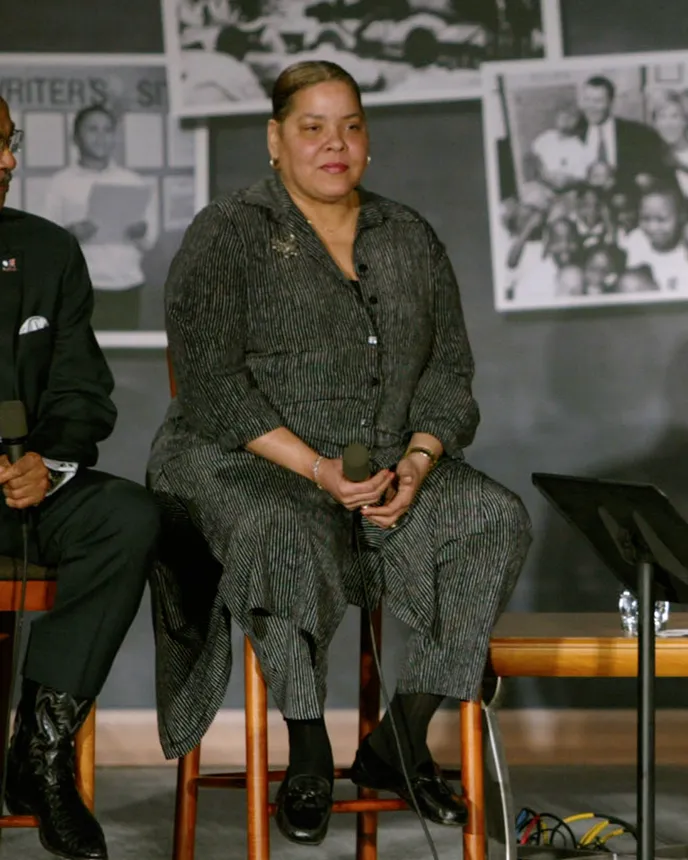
(619, 832)
(580, 817)
(594, 831)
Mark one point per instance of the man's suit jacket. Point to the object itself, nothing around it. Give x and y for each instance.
(639, 149)
(55, 365)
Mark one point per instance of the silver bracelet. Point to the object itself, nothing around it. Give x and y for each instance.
(316, 469)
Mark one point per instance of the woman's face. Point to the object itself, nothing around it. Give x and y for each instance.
(321, 148)
(670, 122)
(96, 136)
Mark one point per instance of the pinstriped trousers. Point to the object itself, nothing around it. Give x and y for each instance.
(479, 534)
(290, 570)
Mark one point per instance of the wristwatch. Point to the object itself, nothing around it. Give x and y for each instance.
(55, 478)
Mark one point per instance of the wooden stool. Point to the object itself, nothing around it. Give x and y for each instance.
(258, 776)
(40, 595)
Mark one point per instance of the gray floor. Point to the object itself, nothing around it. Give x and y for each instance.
(136, 809)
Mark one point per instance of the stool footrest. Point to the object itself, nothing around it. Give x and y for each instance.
(18, 821)
(372, 804)
(238, 779)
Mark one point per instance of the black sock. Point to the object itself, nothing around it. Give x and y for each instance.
(310, 751)
(412, 714)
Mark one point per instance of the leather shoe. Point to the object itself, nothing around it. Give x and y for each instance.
(435, 797)
(304, 807)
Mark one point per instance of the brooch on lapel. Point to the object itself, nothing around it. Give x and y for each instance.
(286, 247)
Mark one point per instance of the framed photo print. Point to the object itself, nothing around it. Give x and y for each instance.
(587, 170)
(103, 157)
(225, 55)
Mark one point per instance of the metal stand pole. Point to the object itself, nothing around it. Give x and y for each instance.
(646, 712)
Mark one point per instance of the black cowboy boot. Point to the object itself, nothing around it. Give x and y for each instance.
(40, 776)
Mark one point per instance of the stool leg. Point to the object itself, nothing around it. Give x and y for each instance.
(368, 719)
(85, 744)
(257, 784)
(188, 770)
(7, 623)
(472, 771)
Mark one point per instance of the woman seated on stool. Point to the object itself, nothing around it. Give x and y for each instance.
(304, 314)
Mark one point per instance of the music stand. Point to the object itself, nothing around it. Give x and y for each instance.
(643, 540)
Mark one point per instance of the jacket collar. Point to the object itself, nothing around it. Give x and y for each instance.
(271, 194)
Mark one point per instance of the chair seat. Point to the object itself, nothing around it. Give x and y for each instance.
(11, 568)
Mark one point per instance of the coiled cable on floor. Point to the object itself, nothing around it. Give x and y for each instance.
(543, 828)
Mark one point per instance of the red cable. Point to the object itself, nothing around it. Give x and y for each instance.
(532, 824)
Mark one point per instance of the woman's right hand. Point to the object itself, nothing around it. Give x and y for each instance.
(352, 494)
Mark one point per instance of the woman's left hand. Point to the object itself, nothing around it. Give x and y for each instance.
(410, 474)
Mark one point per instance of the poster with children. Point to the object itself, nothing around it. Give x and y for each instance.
(587, 170)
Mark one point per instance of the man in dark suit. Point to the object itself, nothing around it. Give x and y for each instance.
(97, 530)
(630, 147)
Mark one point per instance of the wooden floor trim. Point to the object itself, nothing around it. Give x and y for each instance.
(128, 738)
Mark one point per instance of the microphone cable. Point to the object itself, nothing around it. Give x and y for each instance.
(16, 645)
(383, 687)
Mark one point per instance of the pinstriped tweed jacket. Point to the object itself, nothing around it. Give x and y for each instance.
(266, 331)
(292, 342)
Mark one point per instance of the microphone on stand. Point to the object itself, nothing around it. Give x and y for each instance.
(14, 433)
(356, 468)
(13, 429)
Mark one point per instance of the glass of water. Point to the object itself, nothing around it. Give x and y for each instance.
(628, 611)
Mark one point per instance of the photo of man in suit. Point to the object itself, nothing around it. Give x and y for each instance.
(98, 532)
(630, 148)
(589, 154)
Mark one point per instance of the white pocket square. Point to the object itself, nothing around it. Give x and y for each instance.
(33, 324)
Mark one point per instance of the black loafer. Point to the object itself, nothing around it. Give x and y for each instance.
(304, 807)
(435, 797)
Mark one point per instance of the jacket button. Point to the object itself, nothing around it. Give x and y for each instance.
(374, 381)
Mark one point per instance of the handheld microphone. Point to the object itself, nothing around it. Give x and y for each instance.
(356, 462)
(13, 429)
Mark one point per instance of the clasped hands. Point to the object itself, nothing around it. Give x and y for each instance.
(25, 483)
(397, 490)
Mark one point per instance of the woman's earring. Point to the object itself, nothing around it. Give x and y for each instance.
(273, 163)
(369, 159)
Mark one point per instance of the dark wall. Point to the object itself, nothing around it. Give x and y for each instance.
(596, 392)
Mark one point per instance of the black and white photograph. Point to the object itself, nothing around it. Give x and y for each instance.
(587, 167)
(225, 55)
(103, 157)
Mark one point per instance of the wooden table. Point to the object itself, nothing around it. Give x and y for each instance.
(559, 645)
(579, 645)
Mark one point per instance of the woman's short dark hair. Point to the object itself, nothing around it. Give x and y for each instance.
(307, 74)
(86, 112)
